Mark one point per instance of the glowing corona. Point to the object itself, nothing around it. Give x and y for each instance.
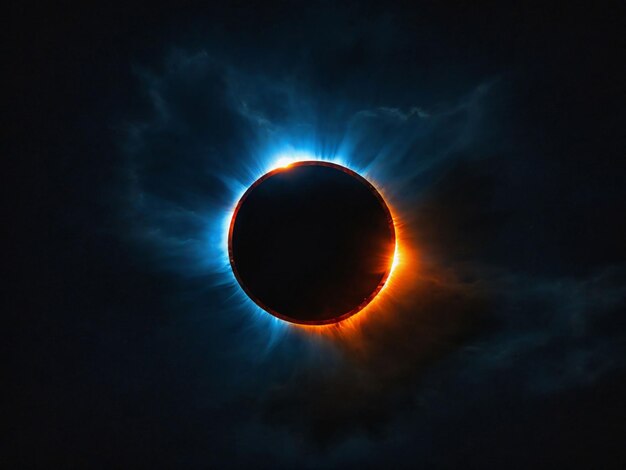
(381, 296)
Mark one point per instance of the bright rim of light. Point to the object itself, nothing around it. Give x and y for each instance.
(284, 160)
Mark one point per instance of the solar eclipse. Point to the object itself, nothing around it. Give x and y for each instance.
(312, 242)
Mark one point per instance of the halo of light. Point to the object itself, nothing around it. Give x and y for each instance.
(378, 305)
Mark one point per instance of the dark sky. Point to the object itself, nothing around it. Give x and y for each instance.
(495, 128)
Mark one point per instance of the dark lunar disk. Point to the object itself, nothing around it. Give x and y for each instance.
(311, 243)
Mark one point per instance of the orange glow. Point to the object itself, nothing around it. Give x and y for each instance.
(401, 277)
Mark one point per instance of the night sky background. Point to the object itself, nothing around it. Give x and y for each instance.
(496, 130)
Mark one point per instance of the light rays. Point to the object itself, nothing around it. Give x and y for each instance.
(380, 305)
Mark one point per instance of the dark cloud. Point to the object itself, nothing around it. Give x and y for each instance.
(384, 361)
(452, 179)
(381, 365)
(495, 131)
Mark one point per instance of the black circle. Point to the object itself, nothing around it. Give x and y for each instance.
(311, 243)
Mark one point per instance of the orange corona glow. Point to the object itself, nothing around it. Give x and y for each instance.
(399, 281)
